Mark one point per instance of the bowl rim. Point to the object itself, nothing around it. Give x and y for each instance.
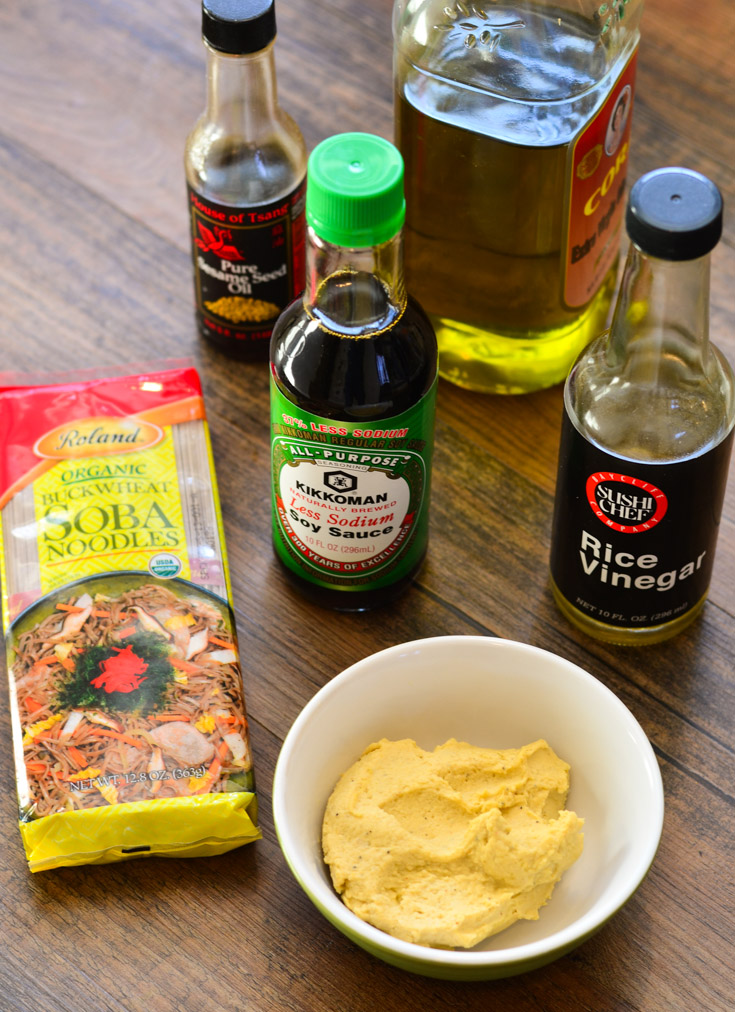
(329, 903)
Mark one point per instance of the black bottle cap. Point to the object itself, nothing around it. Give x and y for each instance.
(674, 214)
(239, 26)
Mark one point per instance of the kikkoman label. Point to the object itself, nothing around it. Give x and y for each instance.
(633, 543)
(599, 165)
(350, 501)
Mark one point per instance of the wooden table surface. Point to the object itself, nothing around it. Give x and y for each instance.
(96, 98)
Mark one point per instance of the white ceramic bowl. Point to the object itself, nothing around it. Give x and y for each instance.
(493, 693)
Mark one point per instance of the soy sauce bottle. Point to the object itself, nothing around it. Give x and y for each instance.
(647, 430)
(245, 163)
(353, 387)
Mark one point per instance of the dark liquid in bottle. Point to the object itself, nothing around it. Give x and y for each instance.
(371, 374)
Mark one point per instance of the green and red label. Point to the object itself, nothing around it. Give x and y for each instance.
(350, 500)
(599, 164)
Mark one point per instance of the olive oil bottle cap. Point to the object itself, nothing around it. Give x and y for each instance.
(354, 190)
(674, 214)
(239, 26)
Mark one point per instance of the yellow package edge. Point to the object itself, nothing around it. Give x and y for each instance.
(170, 827)
(81, 799)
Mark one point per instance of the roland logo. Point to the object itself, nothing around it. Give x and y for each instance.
(73, 438)
(97, 437)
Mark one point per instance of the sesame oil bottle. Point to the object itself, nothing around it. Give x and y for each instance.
(245, 163)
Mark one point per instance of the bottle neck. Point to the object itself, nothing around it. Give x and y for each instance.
(241, 92)
(655, 389)
(355, 292)
(660, 329)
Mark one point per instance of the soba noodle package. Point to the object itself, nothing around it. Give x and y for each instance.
(126, 699)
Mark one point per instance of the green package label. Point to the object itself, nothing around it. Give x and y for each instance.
(350, 499)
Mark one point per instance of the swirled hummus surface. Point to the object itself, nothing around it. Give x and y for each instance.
(445, 848)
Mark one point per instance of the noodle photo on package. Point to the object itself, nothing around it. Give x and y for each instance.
(129, 698)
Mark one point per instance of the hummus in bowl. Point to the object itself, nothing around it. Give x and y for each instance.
(448, 847)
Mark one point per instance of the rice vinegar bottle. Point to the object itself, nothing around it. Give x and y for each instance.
(245, 164)
(353, 388)
(647, 431)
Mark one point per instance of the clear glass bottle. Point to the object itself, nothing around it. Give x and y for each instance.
(647, 431)
(513, 120)
(245, 163)
(353, 389)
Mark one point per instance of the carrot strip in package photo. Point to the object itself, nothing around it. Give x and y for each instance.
(127, 707)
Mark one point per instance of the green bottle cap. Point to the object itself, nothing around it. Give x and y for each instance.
(354, 191)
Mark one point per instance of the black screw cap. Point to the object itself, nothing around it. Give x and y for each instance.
(674, 214)
(239, 26)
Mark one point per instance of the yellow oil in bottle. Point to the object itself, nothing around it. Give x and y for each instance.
(488, 111)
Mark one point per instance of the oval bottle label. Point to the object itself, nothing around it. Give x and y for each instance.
(350, 500)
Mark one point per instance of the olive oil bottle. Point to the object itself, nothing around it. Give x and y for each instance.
(514, 120)
(353, 385)
(245, 164)
(647, 431)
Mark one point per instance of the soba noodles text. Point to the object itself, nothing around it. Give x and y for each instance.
(100, 508)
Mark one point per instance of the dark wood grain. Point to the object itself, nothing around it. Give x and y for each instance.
(96, 98)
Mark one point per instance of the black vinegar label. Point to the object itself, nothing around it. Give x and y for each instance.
(248, 264)
(351, 500)
(633, 543)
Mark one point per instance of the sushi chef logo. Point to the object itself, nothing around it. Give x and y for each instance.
(625, 504)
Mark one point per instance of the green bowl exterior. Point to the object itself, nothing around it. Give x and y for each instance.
(428, 968)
